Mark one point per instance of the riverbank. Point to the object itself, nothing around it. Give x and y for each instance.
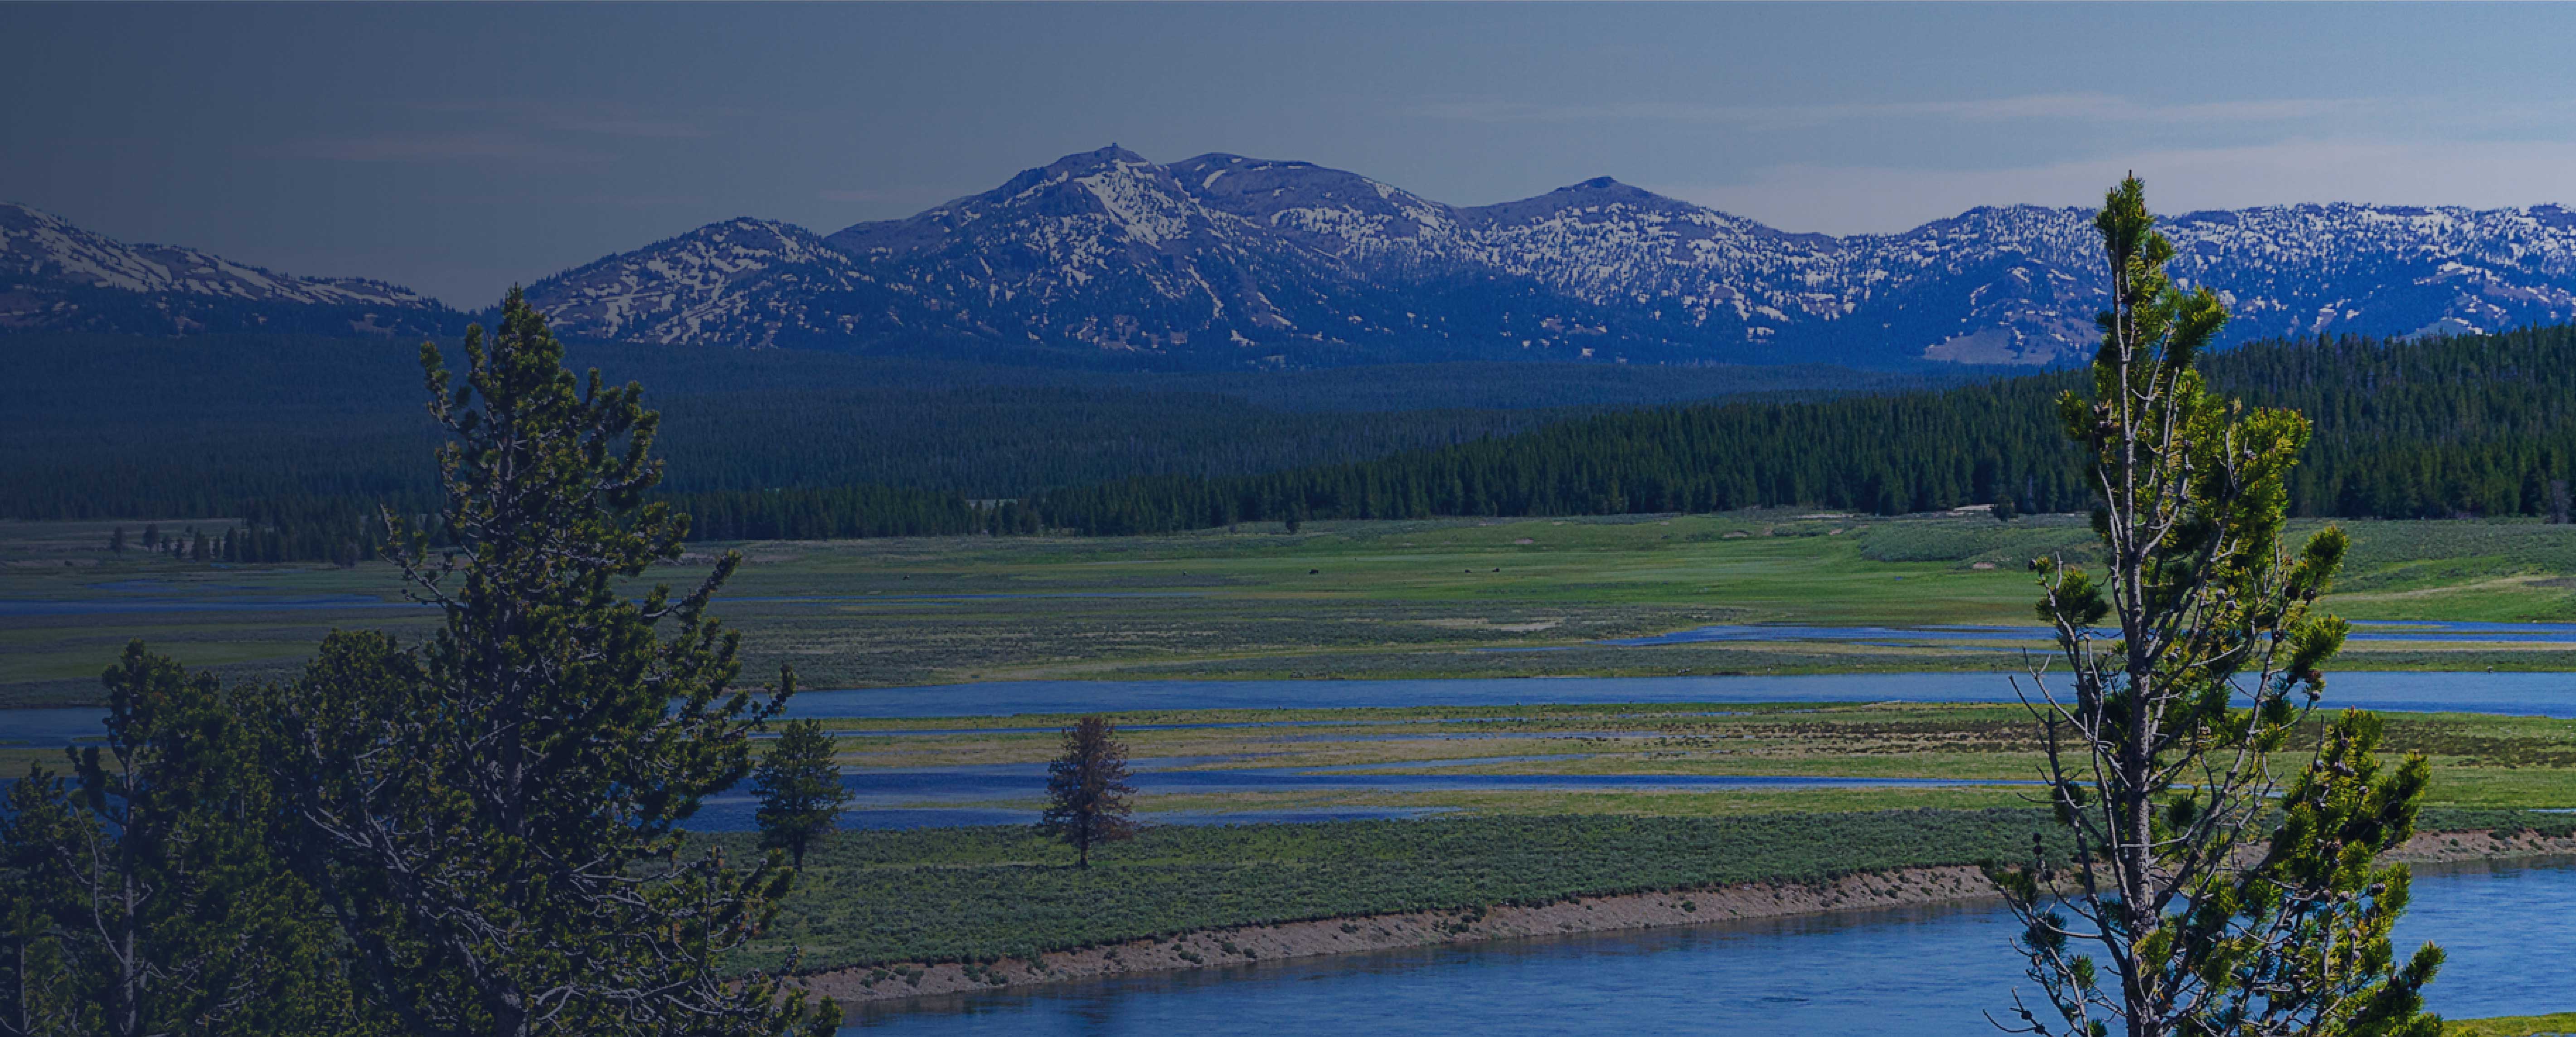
(1248, 945)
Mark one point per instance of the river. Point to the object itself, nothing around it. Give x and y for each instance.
(2513, 694)
(2519, 694)
(1926, 971)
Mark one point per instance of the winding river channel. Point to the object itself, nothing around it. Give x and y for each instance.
(1928, 971)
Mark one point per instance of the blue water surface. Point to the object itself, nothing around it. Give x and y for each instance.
(1945, 633)
(1930, 971)
(2519, 694)
(2513, 694)
(908, 797)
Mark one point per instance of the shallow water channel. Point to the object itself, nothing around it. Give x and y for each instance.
(912, 798)
(2519, 694)
(1926, 970)
(2513, 694)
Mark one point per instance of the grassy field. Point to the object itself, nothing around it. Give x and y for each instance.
(2479, 761)
(981, 894)
(1424, 599)
(977, 894)
(1368, 599)
(2556, 1025)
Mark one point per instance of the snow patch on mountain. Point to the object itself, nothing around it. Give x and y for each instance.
(1231, 260)
(39, 248)
(54, 275)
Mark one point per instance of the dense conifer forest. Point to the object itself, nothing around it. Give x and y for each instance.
(2443, 427)
(303, 436)
(299, 439)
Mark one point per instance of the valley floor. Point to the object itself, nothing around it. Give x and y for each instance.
(1550, 817)
(1438, 598)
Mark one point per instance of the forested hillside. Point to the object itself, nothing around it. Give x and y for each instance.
(2451, 426)
(760, 442)
(303, 436)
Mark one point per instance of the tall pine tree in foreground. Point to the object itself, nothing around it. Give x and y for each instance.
(1087, 789)
(493, 816)
(2196, 904)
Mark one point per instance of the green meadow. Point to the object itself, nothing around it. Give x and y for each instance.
(2479, 761)
(1355, 599)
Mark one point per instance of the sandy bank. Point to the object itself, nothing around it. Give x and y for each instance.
(1242, 944)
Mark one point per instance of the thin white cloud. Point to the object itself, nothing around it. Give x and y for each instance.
(650, 129)
(2072, 106)
(1863, 199)
(637, 201)
(606, 119)
(892, 195)
(445, 146)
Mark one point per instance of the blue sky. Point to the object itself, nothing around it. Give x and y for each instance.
(459, 148)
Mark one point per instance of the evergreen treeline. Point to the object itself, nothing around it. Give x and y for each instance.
(845, 513)
(2466, 426)
(95, 426)
(344, 531)
(801, 449)
(341, 531)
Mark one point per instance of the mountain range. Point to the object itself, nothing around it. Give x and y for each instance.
(55, 276)
(1222, 261)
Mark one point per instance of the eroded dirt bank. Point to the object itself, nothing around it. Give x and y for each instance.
(1253, 943)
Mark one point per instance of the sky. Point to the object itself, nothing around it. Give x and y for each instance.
(458, 149)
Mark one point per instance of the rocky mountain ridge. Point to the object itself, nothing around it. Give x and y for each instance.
(1227, 261)
(1222, 260)
(56, 276)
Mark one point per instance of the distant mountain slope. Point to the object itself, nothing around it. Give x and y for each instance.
(742, 282)
(1102, 248)
(1221, 262)
(56, 276)
(1228, 261)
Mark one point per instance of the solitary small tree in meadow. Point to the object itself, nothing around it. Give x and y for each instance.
(800, 789)
(2197, 901)
(1087, 789)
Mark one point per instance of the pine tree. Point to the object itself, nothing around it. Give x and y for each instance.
(2187, 908)
(116, 541)
(799, 788)
(152, 536)
(1087, 789)
(144, 894)
(493, 815)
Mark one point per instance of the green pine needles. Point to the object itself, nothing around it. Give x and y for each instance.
(1087, 790)
(799, 788)
(2195, 903)
(146, 892)
(492, 815)
(473, 836)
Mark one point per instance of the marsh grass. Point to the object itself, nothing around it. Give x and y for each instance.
(1428, 598)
